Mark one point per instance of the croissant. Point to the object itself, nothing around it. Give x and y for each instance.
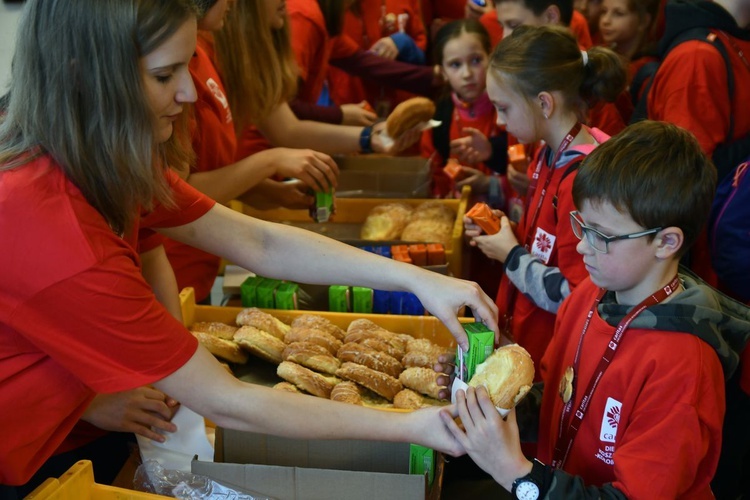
(408, 400)
(262, 321)
(305, 379)
(347, 392)
(331, 343)
(371, 358)
(224, 349)
(422, 380)
(378, 382)
(310, 355)
(260, 343)
(318, 323)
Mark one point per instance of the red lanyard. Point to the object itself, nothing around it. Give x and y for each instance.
(535, 179)
(563, 446)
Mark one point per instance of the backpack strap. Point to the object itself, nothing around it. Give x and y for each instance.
(571, 167)
(441, 134)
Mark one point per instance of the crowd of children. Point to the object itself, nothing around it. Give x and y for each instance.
(642, 389)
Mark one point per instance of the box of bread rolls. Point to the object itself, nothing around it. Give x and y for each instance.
(376, 360)
(383, 221)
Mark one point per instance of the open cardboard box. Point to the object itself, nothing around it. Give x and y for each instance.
(310, 469)
(346, 224)
(298, 469)
(380, 176)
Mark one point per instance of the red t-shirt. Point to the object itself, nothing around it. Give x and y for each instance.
(580, 28)
(690, 90)
(311, 45)
(555, 244)
(215, 143)
(76, 315)
(377, 20)
(653, 427)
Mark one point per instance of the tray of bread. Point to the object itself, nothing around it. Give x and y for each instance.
(368, 221)
(380, 361)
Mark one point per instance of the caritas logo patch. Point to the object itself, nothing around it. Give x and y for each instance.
(610, 421)
(543, 245)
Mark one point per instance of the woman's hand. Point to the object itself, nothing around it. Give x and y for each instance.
(317, 170)
(473, 147)
(385, 47)
(444, 297)
(478, 180)
(498, 246)
(357, 115)
(519, 181)
(134, 411)
(490, 441)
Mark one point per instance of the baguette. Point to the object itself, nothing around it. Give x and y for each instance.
(309, 355)
(318, 323)
(263, 321)
(378, 382)
(422, 380)
(507, 374)
(305, 379)
(260, 343)
(371, 358)
(221, 348)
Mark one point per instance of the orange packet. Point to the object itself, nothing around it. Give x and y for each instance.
(483, 217)
(435, 254)
(418, 254)
(401, 257)
(366, 106)
(453, 170)
(399, 249)
(517, 157)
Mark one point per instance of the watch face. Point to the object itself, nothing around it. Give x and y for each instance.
(527, 491)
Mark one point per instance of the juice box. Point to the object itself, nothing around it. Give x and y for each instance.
(286, 296)
(421, 461)
(362, 299)
(323, 208)
(338, 298)
(481, 345)
(267, 293)
(381, 301)
(249, 291)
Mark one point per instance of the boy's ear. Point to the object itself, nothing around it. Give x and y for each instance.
(551, 15)
(669, 241)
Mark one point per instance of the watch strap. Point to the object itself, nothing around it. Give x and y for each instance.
(365, 140)
(538, 476)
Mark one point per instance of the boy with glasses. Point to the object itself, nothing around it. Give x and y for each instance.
(634, 376)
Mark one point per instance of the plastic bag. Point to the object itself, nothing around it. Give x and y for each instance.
(151, 477)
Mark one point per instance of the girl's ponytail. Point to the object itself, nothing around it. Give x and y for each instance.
(604, 76)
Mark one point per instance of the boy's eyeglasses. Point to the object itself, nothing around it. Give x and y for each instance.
(598, 240)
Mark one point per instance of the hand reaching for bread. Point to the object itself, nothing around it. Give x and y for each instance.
(406, 139)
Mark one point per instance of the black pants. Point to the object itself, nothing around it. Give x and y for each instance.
(731, 479)
(108, 455)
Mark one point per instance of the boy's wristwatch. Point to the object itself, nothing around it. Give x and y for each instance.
(529, 487)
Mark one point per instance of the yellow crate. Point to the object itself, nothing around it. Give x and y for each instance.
(428, 327)
(78, 484)
(355, 211)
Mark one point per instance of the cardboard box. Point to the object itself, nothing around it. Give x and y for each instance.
(346, 225)
(379, 176)
(298, 469)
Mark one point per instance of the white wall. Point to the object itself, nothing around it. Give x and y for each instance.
(10, 14)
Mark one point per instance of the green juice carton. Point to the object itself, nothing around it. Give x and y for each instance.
(249, 291)
(481, 345)
(339, 298)
(323, 208)
(267, 292)
(286, 296)
(421, 461)
(361, 299)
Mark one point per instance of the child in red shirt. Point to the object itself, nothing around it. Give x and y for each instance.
(468, 132)
(537, 78)
(633, 397)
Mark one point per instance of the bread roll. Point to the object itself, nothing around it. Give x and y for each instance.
(408, 115)
(263, 321)
(221, 348)
(221, 330)
(305, 379)
(382, 346)
(428, 231)
(386, 222)
(371, 358)
(507, 374)
(260, 343)
(434, 210)
(422, 380)
(364, 328)
(422, 352)
(408, 400)
(378, 382)
(287, 387)
(347, 392)
(319, 337)
(310, 355)
(318, 323)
